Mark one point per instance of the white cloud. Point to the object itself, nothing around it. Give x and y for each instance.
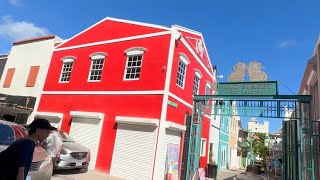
(286, 43)
(19, 30)
(15, 2)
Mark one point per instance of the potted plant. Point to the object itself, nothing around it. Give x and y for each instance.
(212, 167)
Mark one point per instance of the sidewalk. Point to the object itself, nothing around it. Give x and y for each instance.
(227, 174)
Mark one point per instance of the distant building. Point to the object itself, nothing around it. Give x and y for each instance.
(255, 127)
(23, 73)
(275, 143)
(3, 60)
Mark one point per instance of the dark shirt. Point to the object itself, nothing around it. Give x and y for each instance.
(19, 154)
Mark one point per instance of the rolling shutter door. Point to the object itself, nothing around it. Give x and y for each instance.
(134, 152)
(55, 122)
(171, 137)
(86, 132)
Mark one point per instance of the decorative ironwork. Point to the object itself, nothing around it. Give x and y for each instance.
(294, 109)
(194, 139)
(254, 72)
(239, 71)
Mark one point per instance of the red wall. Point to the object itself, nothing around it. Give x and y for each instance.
(148, 106)
(152, 75)
(107, 30)
(178, 114)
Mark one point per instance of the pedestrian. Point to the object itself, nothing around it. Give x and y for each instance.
(276, 165)
(53, 145)
(269, 166)
(16, 160)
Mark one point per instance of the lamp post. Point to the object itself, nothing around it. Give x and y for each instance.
(251, 150)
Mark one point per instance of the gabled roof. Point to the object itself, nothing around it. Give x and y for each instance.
(102, 25)
(192, 41)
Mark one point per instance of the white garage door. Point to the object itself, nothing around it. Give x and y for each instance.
(171, 137)
(133, 152)
(87, 132)
(55, 122)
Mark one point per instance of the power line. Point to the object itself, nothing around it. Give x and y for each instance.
(287, 88)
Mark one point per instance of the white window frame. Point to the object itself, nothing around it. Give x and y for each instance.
(131, 52)
(96, 57)
(66, 60)
(183, 59)
(203, 145)
(223, 157)
(197, 75)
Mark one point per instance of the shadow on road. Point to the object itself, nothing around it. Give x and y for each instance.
(69, 171)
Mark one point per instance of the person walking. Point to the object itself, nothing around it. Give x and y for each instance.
(16, 160)
(53, 145)
(276, 165)
(269, 166)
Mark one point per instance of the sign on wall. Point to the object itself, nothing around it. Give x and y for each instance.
(267, 88)
(172, 162)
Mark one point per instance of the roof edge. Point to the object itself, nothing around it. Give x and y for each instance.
(34, 39)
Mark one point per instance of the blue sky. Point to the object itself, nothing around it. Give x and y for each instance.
(279, 34)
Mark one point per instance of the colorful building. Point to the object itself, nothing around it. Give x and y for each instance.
(233, 142)
(124, 89)
(22, 80)
(223, 152)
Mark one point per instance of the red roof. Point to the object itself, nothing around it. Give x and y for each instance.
(34, 39)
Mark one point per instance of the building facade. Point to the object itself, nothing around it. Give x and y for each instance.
(223, 152)
(125, 89)
(310, 86)
(23, 77)
(3, 61)
(255, 127)
(215, 136)
(233, 142)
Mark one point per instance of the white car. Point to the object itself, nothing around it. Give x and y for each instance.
(73, 155)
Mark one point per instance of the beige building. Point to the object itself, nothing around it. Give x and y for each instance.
(254, 126)
(310, 86)
(233, 142)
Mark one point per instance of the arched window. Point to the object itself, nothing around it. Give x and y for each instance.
(134, 63)
(182, 69)
(196, 81)
(67, 65)
(97, 62)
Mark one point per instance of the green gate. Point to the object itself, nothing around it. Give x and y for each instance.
(298, 149)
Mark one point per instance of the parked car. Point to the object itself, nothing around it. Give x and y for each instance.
(73, 155)
(41, 167)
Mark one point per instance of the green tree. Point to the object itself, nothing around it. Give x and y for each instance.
(259, 147)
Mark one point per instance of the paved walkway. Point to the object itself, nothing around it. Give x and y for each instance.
(81, 175)
(94, 175)
(227, 174)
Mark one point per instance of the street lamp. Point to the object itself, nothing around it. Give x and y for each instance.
(250, 140)
(251, 151)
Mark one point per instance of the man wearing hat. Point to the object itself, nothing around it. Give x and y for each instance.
(16, 160)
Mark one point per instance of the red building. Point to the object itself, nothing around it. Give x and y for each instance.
(124, 90)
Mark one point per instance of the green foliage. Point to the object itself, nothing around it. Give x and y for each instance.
(259, 147)
(245, 149)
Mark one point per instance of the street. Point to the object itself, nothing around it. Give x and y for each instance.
(81, 175)
(95, 175)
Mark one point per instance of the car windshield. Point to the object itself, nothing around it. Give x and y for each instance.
(10, 133)
(65, 136)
